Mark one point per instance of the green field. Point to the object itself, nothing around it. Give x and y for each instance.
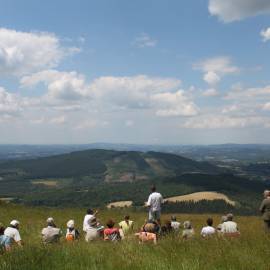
(251, 251)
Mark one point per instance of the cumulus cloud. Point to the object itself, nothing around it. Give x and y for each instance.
(27, 52)
(144, 40)
(265, 33)
(211, 78)
(215, 68)
(68, 86)
(234, 10)
(211, 92)
(224, 121)
(217, 65)
(174, 104)
(10, 104)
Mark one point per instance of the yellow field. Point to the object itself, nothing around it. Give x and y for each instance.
(198, 196)
(48, 183)
(120, 204)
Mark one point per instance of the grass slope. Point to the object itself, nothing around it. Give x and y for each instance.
(249, 252)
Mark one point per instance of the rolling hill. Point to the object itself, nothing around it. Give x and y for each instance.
(98, 177)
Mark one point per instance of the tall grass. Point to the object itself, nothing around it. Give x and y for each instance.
(250, 251)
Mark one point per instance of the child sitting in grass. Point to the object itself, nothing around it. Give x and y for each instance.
(188, 231)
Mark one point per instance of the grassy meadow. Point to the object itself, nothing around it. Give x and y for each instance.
(251, 251)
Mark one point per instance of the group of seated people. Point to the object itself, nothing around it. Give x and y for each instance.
(149, 232)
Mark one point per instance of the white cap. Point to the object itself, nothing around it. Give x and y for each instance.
(14, 223)
(71, 224)
(50, 220)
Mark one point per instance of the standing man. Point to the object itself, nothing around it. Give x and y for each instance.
(154, 203)
(265, 210)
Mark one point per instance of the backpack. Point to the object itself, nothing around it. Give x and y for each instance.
(70, 236)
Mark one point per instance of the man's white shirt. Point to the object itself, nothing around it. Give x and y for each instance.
(154, 201)
(13, 233)
(86, 220)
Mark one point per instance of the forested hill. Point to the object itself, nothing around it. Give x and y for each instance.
(107, 165)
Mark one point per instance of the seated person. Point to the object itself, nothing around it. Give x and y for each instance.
(188, 231)
(175, 224)
(209, 230)
(12, 231)
(111, 233)
(145, 237)
(167, 228)
(94, 230)
(5, 241)
(51, 234)
(126, 225)
(150, 226)
(219, 227)
(229, 228)
(72, 233)
(89, 214)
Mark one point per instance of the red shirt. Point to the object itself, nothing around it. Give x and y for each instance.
(111, 234)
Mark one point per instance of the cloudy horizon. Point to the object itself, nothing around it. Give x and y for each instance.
(149, 72)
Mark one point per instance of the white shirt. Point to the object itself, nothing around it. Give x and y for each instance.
(154, 201)
(208, 230)
(175, 225)
(13, 233)
(86, 224)
(229, 227)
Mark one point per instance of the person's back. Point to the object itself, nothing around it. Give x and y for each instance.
(208, 230)
(94, 230)
(154, 201)
(12, 232)
(265, 210)
(188, 231)
(229, 227)
(72, 233)
(175, 224)
(126, 225)
(50, 234)
(111, 233)
(5, 241)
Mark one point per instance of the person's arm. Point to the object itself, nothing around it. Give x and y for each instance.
(17, 239)
(155, 239)
(149, 201)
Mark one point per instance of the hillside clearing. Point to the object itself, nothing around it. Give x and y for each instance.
(120, 204)
(48, 183)
(199, 196)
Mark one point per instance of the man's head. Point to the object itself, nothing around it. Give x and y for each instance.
(209, 222)
(230, 217)
(266, 193)
(15, 224)
(173, 218)
(90, 211)
(110, 223)
(126, 217)
(153, 188)
(50, 222)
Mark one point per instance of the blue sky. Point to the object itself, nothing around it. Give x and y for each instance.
(164, 72)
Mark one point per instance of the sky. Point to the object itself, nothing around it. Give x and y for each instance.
(142, 72)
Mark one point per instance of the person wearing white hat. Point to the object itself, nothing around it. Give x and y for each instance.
(72, 233)
(12, 231)
(50, 234)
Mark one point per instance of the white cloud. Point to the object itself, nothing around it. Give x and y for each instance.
(174, 104)
(210, 92)
(58, 120)
(215, 68)
(86, 124)
(265, 33)
(144, 40)
(10, 104)
(249, 93)
(218, 65)
(27, 52)
(234, 10)
(266, 106)
(222, 121)
(68, 86)
(211, 78)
